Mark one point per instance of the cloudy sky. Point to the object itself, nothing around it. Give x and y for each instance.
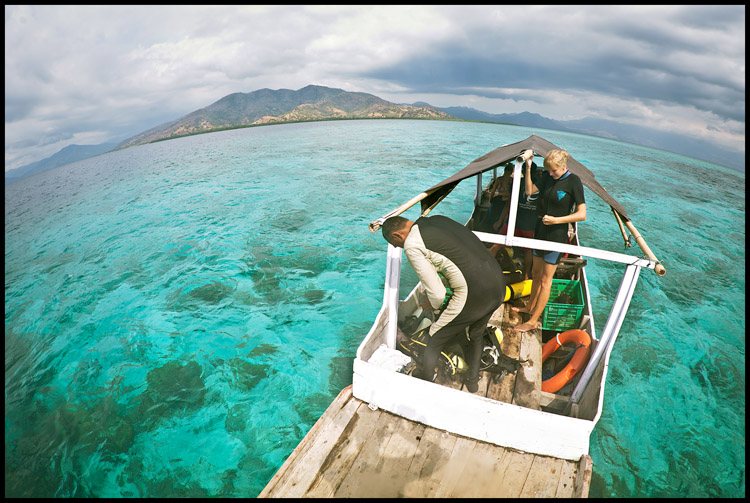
(94, 74)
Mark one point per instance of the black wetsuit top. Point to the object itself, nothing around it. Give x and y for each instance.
(528, 209)
(478, 270)
(558, 198)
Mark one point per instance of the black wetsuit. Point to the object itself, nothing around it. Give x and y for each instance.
(528, 209)
(439, 244)
(557, 199)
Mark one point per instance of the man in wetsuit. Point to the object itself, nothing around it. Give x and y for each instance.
(438, 244)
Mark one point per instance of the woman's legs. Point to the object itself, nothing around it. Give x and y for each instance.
(538, 270)
(539, 297)
(527, 262)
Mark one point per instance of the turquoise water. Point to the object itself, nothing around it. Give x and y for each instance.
(178, 315)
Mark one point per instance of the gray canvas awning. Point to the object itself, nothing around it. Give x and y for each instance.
(501, 155)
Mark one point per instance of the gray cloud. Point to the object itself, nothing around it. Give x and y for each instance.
(643, 60)
(96, 73)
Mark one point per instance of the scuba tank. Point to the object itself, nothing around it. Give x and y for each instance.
(516, 290)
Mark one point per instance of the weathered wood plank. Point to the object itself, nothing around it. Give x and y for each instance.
(368, 457)
(315, 452)
(543, 478)
(529, 376)
(512, 473)
(353, 451)
(583, 477)
(393, 471)
(340, 459)
(497, 317)
(566, 484)
(480, 474)
(427, 468)
(503, 389)
(321, 424)
(381, 467)
(453, 467)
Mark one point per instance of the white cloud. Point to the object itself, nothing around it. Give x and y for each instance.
(89, 72)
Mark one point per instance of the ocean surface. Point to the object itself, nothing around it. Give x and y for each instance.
(179, 314)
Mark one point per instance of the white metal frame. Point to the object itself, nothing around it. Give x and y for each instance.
(477, 416)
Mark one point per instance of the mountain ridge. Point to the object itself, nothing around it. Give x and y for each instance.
(67, 155)
(266, 106)
(312, 102)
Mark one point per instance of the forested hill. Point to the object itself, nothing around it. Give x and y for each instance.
(266, 106)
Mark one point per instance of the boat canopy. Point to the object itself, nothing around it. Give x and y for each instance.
(502, 155)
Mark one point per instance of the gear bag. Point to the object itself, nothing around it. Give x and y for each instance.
(449, 361)
(493, 359)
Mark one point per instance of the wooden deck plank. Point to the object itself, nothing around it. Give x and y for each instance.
(583, 478)
(322, 424)
(368, 457)
(514, 472)
(453, 466)
(479, 477)
(427, 468)
(399, 455)
(566, 484)
(502, 390)
(315, 451)
(340, 459)
(543, 479)
(528, 387)
(382, 464)
(353, 451)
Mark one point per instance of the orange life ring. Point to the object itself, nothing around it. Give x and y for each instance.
(576, 363)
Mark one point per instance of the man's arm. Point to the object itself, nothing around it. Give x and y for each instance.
(428, 276)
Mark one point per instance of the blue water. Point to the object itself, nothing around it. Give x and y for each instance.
(178, 315)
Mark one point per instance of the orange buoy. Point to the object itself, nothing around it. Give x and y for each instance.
(583, 341)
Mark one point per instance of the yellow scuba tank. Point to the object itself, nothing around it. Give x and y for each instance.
(516, 290)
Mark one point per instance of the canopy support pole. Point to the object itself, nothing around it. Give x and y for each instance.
(375, 225)
(625, 237)
(659, 269)
(478, 196)
(428, 210)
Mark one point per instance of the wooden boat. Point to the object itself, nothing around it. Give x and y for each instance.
(391, 434)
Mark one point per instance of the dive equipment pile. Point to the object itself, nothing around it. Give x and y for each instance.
(450, 362)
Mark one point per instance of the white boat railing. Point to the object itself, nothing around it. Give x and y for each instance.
(611, 329)
(584, 251)
(390, 296)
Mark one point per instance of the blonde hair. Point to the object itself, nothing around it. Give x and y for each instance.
(557, 159)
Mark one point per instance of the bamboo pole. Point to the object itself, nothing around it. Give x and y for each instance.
(628, 244)
(659, 269)
(428, 210)
(526, 154)
(376, 224)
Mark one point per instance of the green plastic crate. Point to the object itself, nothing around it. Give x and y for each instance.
(559, 316)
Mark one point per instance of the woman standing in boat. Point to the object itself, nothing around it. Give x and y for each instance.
(562, 203)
